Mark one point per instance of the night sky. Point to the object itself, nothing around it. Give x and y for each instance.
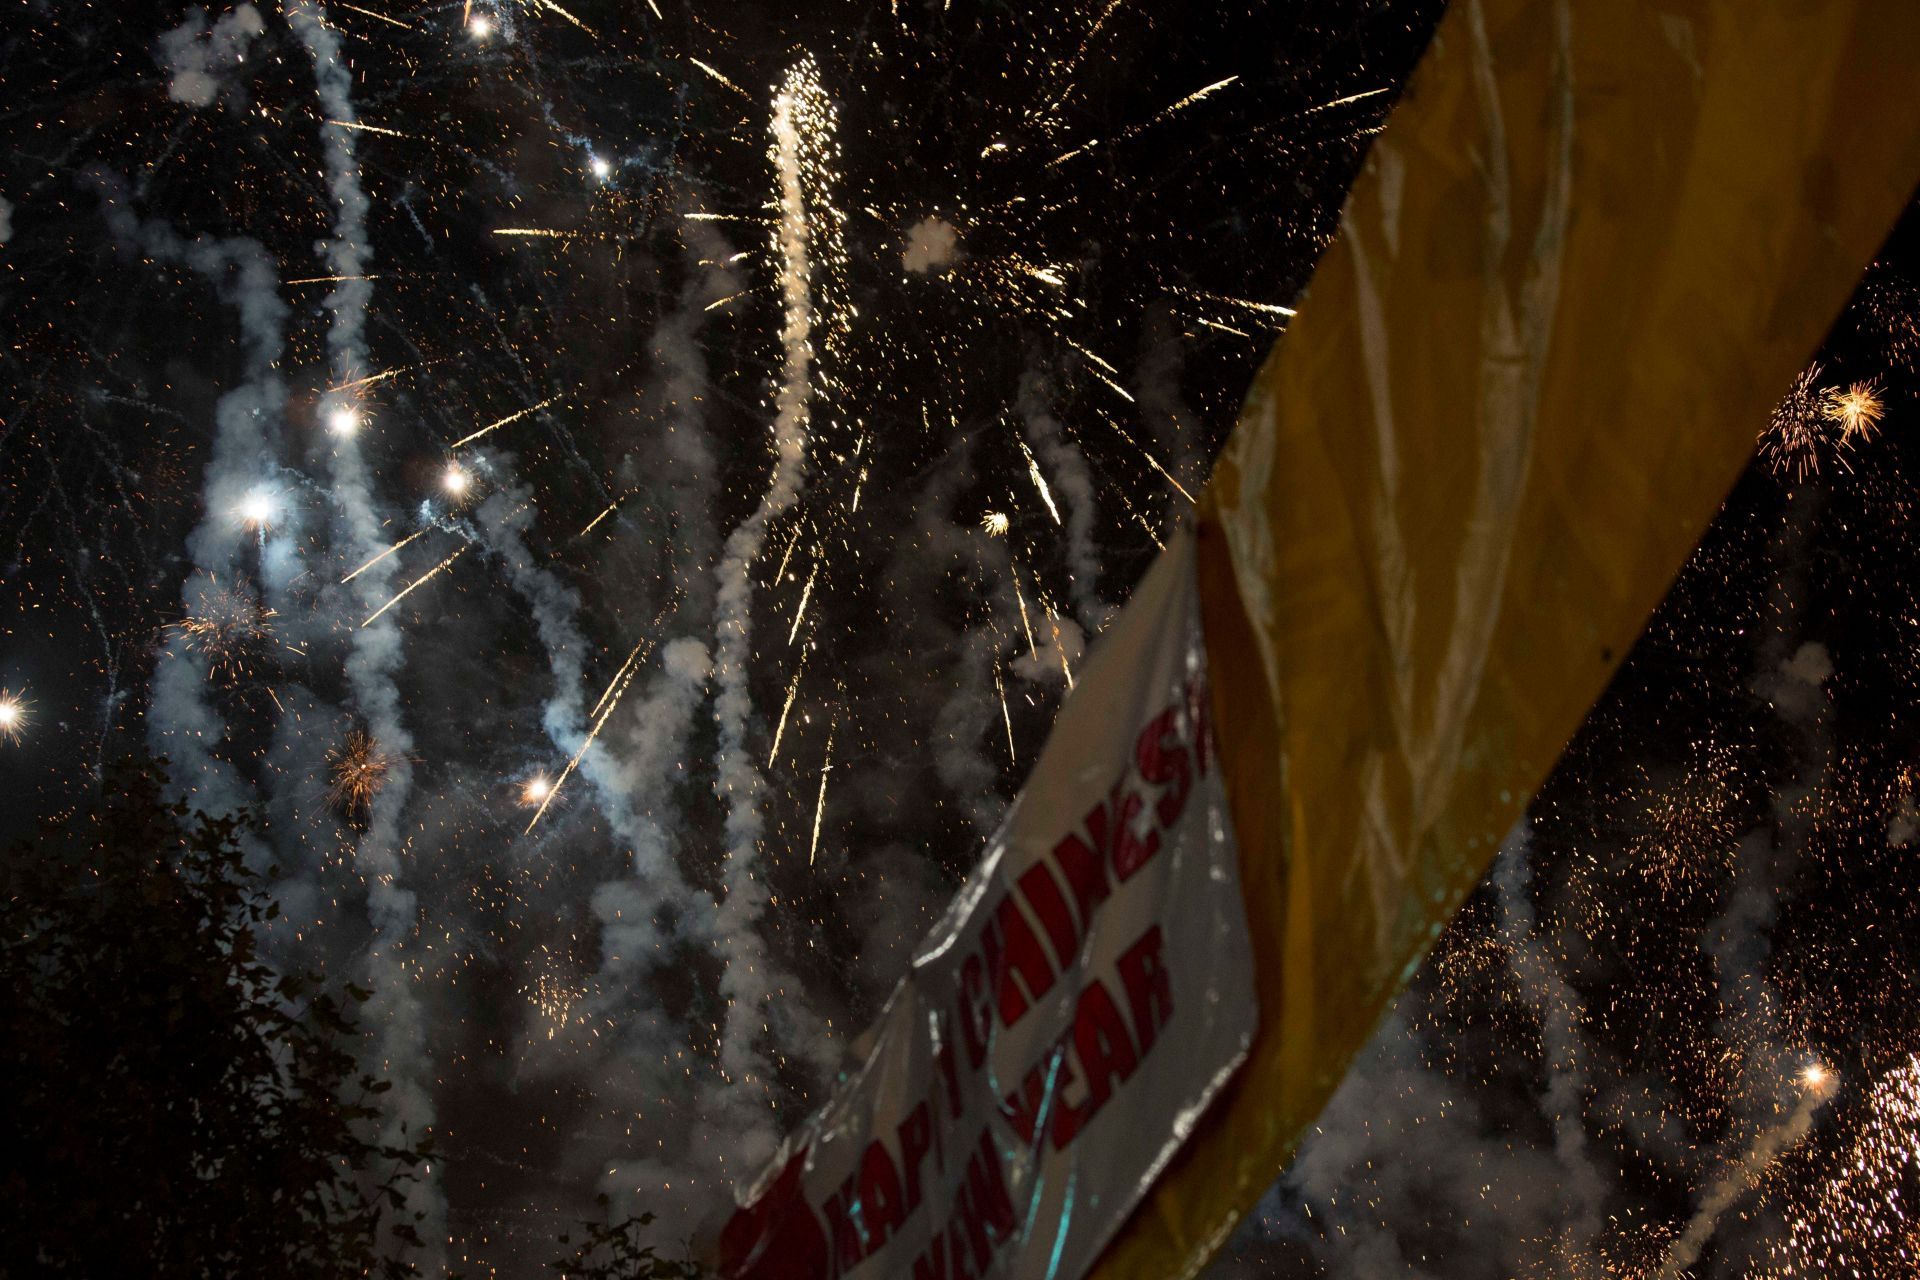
(995, 277)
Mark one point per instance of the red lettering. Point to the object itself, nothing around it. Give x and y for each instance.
(932, 1265)
(1022, 959)
(1162, 760)
(848, 1246)
(1085, 866)
(881, 1209)
(1149, 993)
(1107, 1057)
(986, 1210)
(777, 1237)
(1042, 892)
(961, 1258)
(1027, 1107)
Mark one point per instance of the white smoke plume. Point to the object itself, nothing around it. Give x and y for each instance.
(6, 220)
(1067, 471)
(374, 653)
(750, 982)
(1560, 1009)
(1737, 1178)
(932, 245)
(199, 59)
(182, 723)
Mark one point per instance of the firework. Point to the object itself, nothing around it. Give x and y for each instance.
(259, 509)
(359, 767)
(13, 715)
(1856, 410)
(230, 629)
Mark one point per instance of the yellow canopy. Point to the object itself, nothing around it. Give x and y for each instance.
(1590, 251)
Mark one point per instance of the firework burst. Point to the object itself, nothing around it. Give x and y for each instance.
(358, 767)
(231, 630)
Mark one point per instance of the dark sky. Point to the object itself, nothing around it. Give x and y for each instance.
(1041, 273)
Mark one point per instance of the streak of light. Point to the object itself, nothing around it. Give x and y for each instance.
(1196, 96)
(1040, 482)
(724, 301)
(793, 691)
(1059, 647)
(1006, 716)
(805, 594)
(1342, 102)
(820, 805)
(722, 79)
(374, 128)
(1151, 460)
(1264, 308)
(1091, 356)
(512, 417)
(609, 702)
(611, 508)
(405, 26)
(1025, 625)
(408, 589)
(371, 378)
(614, 683)
(545, 233)
(785, 556)
(554, 8)
(382, 556)
(330, 280)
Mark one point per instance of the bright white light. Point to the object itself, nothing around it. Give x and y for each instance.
(602, 168)
(455, 481)
(1816, 1076)
(537, 788)
(480, 26)
(13, 715)
(258, 508)
(343, 420)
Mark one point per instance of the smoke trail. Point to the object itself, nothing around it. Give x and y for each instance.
(374, 654)
(181, 723)
(1075, 482)
(1736, 1178)
(1561, 1011)
(196, 58)
(748, 982)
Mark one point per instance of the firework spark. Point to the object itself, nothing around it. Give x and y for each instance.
(1856, 410)
(359, 767)
(229, 629)
(13, 715)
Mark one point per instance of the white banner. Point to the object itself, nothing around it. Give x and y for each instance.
(1085, 995)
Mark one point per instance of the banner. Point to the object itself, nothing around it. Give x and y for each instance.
(1086, 994)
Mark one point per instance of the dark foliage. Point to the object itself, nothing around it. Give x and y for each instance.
(173, 1106)
(613, 1251)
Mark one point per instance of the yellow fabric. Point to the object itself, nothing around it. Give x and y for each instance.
(1588, 254)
